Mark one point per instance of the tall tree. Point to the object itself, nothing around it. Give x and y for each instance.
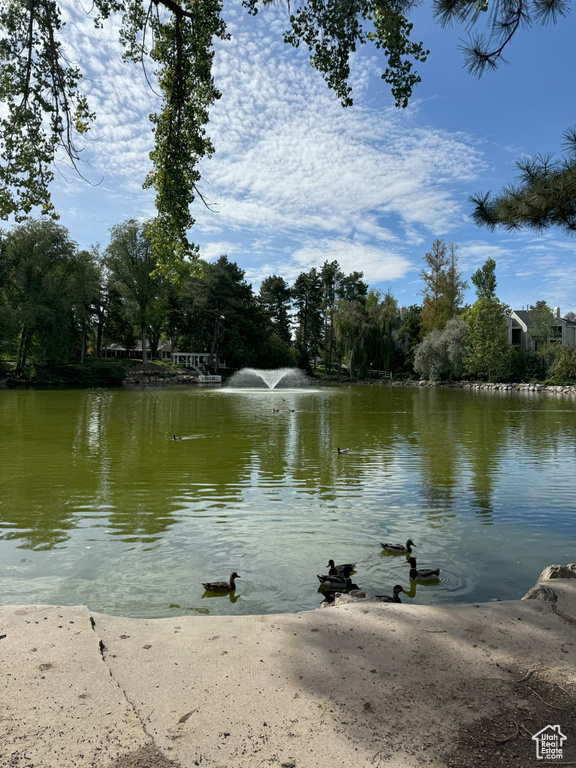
(307, 298)
(86, 295)
(130, 259)
(352, 336)
(40, 270)
(229, 320)
(444, 287)
(331, 277)
(274, 299)
(484, 280)
(385, 321)
(488, 351)
(541, 324)
(408, 335)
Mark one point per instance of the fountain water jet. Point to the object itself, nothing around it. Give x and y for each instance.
(280, 378)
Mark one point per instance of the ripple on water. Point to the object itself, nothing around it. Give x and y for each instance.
(113, 517)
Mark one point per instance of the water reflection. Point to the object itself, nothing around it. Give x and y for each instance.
(116, 514)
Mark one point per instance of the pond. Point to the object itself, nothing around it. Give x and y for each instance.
(100, 507)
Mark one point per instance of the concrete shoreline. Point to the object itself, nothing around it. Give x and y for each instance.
(358, 684)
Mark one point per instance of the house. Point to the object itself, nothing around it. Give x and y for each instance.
(549, 742)
(166, 352)
(562, 331)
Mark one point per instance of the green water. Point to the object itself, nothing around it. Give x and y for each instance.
(98, 506)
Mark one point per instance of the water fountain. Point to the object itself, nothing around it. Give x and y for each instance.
(280, 378)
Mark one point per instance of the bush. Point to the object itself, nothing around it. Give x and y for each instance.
(564, 364)
(90, 373)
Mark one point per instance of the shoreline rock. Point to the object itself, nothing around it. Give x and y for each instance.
(151, 375)
(481, 385)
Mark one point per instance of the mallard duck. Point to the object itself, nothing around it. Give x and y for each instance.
(421, 574)
(343, 450)
(401, 549)
(395, 598)
(175, 437)
(336, 582)
(222, 586)
(344, 569)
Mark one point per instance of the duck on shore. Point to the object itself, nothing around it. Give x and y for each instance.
(344, 569)
(395, 598)
(340, 583)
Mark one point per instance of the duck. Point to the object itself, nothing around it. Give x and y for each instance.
(401, 549)
(222, 586)
(344, 569)
(343, 450)
(175, 437)
(395, 599)
(336, 582)
(422, 574)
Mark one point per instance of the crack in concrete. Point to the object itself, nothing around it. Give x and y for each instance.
(102, 649)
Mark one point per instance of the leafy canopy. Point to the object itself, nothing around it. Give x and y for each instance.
(45, 112)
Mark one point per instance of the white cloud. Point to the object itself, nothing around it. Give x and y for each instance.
(296, 179)
(376, 264)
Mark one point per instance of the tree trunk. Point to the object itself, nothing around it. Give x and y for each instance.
(83, 345)
(144, 352)
(214, 345)
(25, 339)
(99, 337)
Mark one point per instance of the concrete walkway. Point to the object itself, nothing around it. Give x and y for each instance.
(360, 684)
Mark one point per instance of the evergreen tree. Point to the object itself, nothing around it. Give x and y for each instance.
(274, 299)
(307, 298)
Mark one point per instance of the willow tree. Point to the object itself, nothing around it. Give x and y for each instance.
(46, 112)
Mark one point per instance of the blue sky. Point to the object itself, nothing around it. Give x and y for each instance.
(297, 180)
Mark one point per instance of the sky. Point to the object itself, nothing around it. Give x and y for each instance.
(296, 179)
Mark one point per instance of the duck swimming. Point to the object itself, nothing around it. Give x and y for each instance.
(401, 549)
(344, 569)
(175, 437)
(343, 450)
(395, 598)
(222, 586)
(336, 582)
(422, 574)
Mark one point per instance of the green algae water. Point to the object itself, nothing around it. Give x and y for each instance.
(99, 506)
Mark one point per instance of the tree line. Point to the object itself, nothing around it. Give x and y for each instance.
(59, 303)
